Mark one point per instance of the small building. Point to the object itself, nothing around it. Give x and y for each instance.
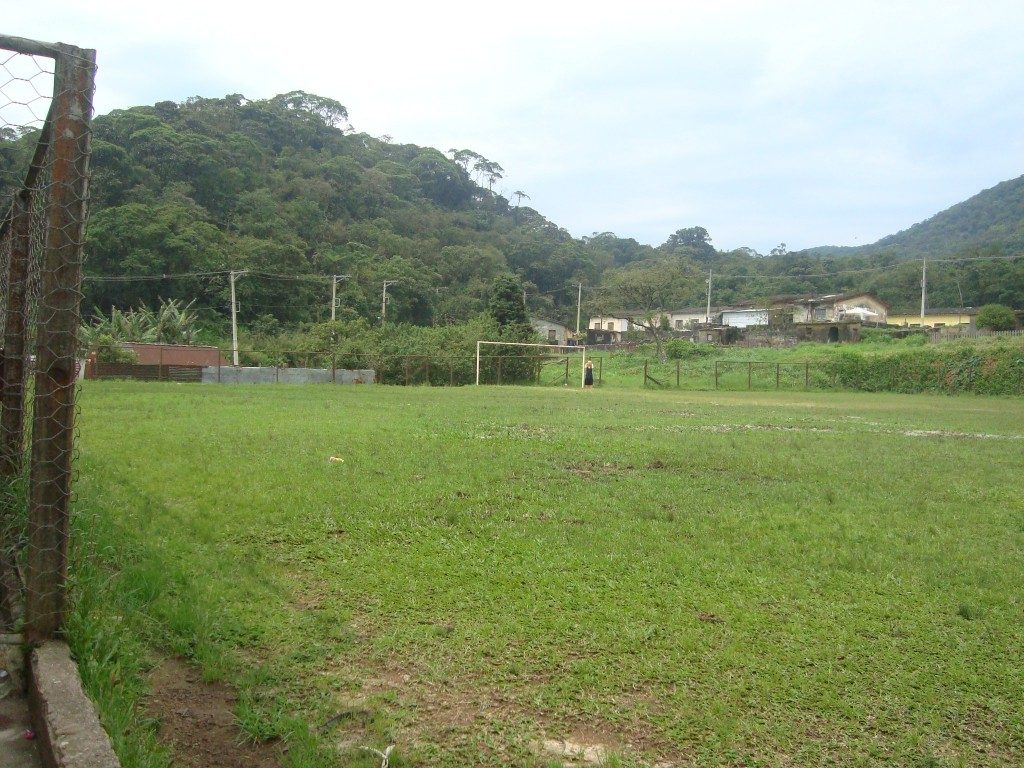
(828, 332)
(743, 317)
(178, 362)
(963, 317)
(616, 326)
(714, 334)
(174, 354)
(687, 317)
(834, 307)
(552, 332)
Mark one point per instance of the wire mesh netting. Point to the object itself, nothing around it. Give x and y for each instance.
(45, 113)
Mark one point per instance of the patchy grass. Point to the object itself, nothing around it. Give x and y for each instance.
(670, 578)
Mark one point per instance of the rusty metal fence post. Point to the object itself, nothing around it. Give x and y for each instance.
(56, 337)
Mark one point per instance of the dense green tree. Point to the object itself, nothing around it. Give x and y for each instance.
(693, 242)
(506, 304)
(996, 317)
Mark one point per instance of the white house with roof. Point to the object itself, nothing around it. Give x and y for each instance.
(610, 323)
(682, 319)
(745, 317)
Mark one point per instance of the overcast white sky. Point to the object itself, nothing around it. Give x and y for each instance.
(809, 123)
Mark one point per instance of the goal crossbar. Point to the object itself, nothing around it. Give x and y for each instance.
(581, 347)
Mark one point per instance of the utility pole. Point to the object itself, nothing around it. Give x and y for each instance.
(384, 300)
(334, 294)
(234, 316)
(707, 316)
(924, 286)
(579, 305)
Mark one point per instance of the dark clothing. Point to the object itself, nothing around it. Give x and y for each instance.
(588, 377)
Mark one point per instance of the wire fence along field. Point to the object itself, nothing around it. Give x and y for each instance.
(156, 362)
(45, 124)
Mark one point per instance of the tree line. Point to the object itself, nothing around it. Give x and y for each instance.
(286, 187)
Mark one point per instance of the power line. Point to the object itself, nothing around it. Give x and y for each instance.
(569, 287)
(978, 258)
(143, 278)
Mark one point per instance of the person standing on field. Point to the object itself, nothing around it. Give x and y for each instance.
(588, 376)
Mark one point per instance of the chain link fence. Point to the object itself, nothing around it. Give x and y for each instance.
(45, 122)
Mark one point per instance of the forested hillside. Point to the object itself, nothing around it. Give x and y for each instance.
(992, 220)
(286, 189)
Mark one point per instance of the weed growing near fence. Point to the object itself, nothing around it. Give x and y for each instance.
(697, 578)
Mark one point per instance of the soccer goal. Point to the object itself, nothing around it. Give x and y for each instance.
(565, 349)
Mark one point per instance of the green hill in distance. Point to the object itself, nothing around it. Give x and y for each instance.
(285, 188)
(992, 219)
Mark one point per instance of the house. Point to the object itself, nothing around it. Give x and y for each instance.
(834, 307)
(551, 332)
(687, 317)
(616, 326)
(741, 317)
(963, 317)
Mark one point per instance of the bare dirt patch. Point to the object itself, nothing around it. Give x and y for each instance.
(590, 469)
(197, 721)
(452, 713)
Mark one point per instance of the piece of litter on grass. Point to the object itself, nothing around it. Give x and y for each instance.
(337, 459)
(28, 734)
(385, 756)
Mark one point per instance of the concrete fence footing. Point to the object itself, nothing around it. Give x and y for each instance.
(68, 731)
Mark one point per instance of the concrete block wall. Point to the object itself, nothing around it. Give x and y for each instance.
(227, 374)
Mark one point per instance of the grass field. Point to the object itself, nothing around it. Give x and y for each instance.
(677, 578)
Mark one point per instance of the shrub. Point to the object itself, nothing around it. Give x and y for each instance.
(989, 370)
(681, 349)
(996, 317)
(109, 351)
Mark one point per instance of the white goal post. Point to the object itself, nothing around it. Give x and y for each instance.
(580, 347)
